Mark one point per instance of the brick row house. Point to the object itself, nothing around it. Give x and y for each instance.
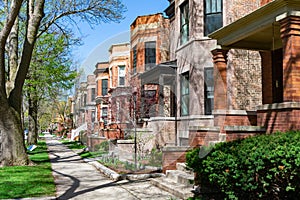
(197, 80)
(254, 70)
(152, 77)
(211, 71)
(119, 90)
(102, 100)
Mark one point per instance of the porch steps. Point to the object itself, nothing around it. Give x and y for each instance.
(178, 182)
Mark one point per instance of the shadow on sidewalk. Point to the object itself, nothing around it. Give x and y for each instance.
(70, 193)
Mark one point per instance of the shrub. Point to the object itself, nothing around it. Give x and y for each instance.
(261, 167)
(104, 145)
(155, 158)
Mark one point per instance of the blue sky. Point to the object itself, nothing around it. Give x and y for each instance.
(98, 40)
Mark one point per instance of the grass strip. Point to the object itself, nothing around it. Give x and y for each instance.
(28, 181)
(73, 144)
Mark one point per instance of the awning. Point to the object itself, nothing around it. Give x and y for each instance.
(259, 30)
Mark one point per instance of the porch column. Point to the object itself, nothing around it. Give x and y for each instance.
(161, 96)
(290, 35)
(220, 79)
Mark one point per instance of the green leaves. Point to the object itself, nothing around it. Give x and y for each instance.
(260, 167)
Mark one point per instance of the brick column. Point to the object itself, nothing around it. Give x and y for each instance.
(220, 79)
(290, 35)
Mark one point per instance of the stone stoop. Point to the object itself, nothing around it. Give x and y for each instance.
(222, 138)
(178, 182)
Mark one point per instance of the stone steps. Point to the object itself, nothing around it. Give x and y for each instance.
(178, 190)
(178, 182)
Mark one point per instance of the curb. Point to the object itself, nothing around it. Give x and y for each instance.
(117, 177)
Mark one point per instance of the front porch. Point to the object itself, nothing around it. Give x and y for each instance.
(274, 31)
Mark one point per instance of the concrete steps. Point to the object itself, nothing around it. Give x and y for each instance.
(178, 182)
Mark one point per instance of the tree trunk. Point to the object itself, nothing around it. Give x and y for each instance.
(13, 49)
(33, 125)
(12, 148)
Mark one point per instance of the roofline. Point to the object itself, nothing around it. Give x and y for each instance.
(159, 13)
(118, 44)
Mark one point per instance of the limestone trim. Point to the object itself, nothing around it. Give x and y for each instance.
(195, 117)
(176, 148)
(245, 128)
(234, 112)
(277, 106)
(205, 128)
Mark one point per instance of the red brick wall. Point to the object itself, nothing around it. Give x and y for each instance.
(92, 141)
(291, 58)
(263, 2)
(199, 138)
(170, 158)
(235, 120)
(279, 120)
(230, 136)
(141, 32)
(113, 134)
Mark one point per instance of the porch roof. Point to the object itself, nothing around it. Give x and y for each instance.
(165, 70)
(259, 30)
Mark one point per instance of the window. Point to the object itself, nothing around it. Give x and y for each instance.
(185, 94)
(150, 55)
(184, 22)
(213, 17)
(208, 90)
(93, 94)
(134, 59)
(104, 115)
(84, 100)
(104, 87)
(110, 77)
(121, 75)
(149, 101)
(93, 116)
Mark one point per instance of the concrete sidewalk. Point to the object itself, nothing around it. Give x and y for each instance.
(76, 179)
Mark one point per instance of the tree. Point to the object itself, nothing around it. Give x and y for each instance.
(40, 16)
(50, 72)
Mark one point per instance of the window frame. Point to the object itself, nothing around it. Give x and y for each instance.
(184, 14)
(208, 91)
(93, 94)
(104, 90)
(185, 94)
(150, 55)
(93, 116)
(104, 117)
(134, 59)
(213, 11)
(121, 76)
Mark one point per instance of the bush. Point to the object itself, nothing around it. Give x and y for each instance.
(155, 158)
(261, 167)
(104, 145)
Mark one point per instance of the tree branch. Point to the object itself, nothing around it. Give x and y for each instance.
(35, 14)
(10, 20)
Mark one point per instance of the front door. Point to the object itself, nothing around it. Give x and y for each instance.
(277, 76)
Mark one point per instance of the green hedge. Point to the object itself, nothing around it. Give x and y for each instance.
(261, 167)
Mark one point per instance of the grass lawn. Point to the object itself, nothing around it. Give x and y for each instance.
(73, 144)
(84, 154)
(28, 181)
